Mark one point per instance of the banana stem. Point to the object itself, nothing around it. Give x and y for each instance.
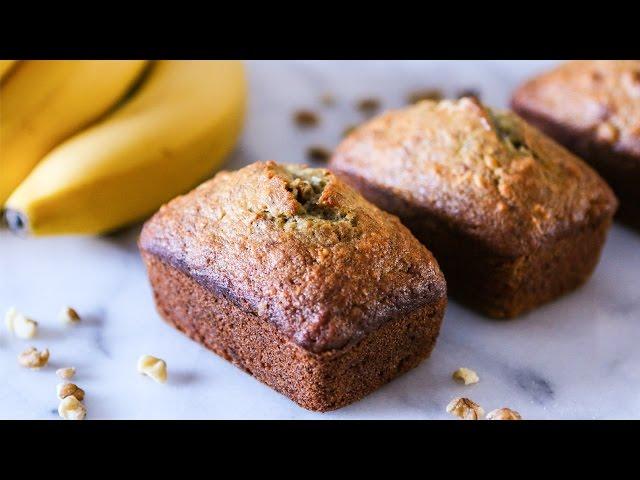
(16, 221)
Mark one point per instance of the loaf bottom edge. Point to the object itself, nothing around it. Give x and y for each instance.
(315, 381)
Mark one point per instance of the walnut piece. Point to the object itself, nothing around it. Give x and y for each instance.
(20, 325)
(68, 316)
(63, 390)
(318, 153)
(306, 118)
(368, 106)
(465, 409)
(32, 358)
(70, 408)
(466, 375)
(66, 373)
(503, 414)
(153, 367)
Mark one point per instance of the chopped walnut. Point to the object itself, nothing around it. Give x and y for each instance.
(70, 408)
(306, 118)
(32, 358)
(466, 375)
(368, 106)
(503, 414)
(153, 367)
(63, 390)
(20, 325)
(424, 94)
(66, 373)
(68, 315)
(318, 153)
(465, 409)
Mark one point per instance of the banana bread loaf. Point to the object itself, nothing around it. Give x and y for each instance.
(593, 108)
(513, 218)
(294, 277)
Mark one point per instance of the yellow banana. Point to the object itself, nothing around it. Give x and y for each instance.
(5, 66)
(174, 131)
(44, 102)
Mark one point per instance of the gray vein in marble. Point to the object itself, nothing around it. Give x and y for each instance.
(534, 385)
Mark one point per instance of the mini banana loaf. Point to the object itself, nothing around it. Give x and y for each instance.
(593, 108)
(295, 278)
(513, 218)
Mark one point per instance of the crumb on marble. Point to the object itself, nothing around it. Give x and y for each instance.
(318, 153)
(19, 324)
(68, 316)
(369, 105)
(465, 409)
(153, 367)
(71, 408)
(306, 118)
(66, 373)
(466, 375)
(63, 390)
(503, 414)
(32, 358)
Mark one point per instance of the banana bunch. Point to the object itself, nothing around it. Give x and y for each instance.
(5, 66)
(75, 157)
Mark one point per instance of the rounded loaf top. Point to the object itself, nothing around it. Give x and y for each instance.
(485, 172)
(599, 99)
(298, 247)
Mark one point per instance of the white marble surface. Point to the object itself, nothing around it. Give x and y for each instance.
(575, 358)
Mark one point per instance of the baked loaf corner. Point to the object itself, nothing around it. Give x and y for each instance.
(504, 208)
(293, 276)
(592, 107)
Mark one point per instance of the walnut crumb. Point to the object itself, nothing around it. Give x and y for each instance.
(20, 325)
(306, 118)
(63, 390)
(503, 414)
(66, 373)
(466, 375)
(465, 409)
(318, 153)
(32, 358)
(68, 316)
(424, 94)
(368, 106)
(153, 367)
(70, 408)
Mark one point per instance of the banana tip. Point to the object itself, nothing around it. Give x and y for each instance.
(16, 221)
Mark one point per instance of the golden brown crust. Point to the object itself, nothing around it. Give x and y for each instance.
(298, 247)
(488, 174)
(593, 109)
(596, 98)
